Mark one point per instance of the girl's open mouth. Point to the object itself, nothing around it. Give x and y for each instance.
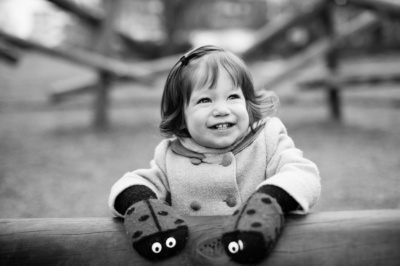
(222, 126)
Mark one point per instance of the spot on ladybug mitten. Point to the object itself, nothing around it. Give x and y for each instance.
(156, 230)
(251, 232)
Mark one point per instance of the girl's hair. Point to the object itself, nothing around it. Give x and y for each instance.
(190, 72)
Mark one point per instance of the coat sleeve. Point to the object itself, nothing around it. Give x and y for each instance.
(154, 178)
(288, 169)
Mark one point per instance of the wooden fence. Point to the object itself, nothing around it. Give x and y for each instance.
(326, 238)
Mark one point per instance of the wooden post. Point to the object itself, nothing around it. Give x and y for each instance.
(103, 46)
(332, 64)
(348, 238)
(173, 13)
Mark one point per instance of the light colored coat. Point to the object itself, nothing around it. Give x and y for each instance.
(202, 182)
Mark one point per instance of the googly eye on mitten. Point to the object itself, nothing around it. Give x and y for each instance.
(156, 230)
(251, 232)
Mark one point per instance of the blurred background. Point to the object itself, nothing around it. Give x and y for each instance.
(81, 83)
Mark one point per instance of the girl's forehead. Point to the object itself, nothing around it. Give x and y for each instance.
(207, 78)
(224, 87)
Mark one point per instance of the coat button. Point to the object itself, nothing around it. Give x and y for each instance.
(195, 161)
(226, 160)
(231, 201)
(195, 205)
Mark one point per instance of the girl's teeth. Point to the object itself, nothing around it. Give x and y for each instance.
(222, 126)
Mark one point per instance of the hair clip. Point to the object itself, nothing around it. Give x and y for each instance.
(184, 60)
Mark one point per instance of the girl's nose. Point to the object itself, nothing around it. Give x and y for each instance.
(221, 110)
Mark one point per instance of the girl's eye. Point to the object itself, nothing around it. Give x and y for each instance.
(233, 97)
(204, 100)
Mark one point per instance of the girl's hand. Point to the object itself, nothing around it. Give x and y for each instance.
(156, 230)
(251, 232)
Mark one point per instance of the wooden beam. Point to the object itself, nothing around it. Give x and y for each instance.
(365, 21)
(385, 6)
(8, 53)
(77, 85)
(278, 27)
(73, 86)
(91, 16)
(94, 18)
(342, 81)
(330, 238)
(85, 58)
(160, 65)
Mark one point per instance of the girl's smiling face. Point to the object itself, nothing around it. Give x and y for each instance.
(217, 117)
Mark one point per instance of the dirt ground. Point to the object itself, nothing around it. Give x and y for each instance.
(53, 164)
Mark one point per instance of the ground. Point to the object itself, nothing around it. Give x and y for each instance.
(53, 164)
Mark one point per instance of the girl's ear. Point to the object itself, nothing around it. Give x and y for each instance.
(182, 125)
(184, 130)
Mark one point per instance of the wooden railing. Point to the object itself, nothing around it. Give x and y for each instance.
(327, 238)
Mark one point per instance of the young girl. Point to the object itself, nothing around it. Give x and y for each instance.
(224, 155)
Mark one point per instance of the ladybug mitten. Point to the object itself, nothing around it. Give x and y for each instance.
(156, 230)
(251, 232)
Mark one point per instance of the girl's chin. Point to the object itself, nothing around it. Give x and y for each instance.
(218, 139)
(220, 145)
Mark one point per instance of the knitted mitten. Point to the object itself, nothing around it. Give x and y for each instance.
(251, 232)
(156, 230)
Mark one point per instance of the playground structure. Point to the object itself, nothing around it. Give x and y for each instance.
(110, 70)
(350, 238)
